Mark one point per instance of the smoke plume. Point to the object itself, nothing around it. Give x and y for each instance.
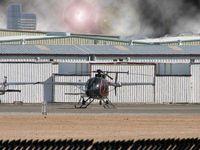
(152, 18)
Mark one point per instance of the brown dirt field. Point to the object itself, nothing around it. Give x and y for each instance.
(98, 127)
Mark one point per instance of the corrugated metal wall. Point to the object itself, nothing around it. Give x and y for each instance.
(11, 42)
(43, 59)
(61, 41)
(143, 60)
(172, 89)
(26, 72)
(60, 90)
(68, 41)
(161, 60)
(167, 89)
(17, 33)
(20, 59)
(138, 73)
(72, 59)
(197, 60)
(195, 83)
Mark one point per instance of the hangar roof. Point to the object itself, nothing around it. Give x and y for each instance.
(25, 39)
(104, 50)
(168, 39)
(58, 34)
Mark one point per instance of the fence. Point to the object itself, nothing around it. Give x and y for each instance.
(161, 144)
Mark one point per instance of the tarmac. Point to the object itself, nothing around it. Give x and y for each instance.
(96, 109)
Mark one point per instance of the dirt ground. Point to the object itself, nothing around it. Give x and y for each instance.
(98, 127)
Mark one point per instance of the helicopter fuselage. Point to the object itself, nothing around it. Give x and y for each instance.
(97, 88)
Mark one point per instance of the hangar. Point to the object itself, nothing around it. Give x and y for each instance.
(70, 39)
(65, 38)
(170, 73)
(8, 37)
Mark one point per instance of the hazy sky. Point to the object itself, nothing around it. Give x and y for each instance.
(150, 18)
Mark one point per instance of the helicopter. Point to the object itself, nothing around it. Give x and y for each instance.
(97, 88)
(4, 87)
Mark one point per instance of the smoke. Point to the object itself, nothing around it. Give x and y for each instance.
(170, 17)
(120, 17)
(152, 18)
(189, 20)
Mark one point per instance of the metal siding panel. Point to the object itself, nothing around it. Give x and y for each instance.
(105, 59)
(13, 33)
(54, 68)
(148, 60)
(60, 90)
(197, 60)
(21, 59)
(160, 60)
(172, 89)
(72, 59)
(133, 94)
(137, 73)
(195, 83)
(26, 72)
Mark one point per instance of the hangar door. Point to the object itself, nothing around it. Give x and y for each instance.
(195, 83)
(144, 74)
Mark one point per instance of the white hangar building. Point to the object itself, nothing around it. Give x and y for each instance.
(160, 73)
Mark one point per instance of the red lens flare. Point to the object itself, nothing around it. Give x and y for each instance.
(81, 16)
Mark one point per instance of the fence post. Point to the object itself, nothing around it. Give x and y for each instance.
(44, 108)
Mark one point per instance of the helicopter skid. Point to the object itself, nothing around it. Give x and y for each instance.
(85, 103)
(108, 103)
